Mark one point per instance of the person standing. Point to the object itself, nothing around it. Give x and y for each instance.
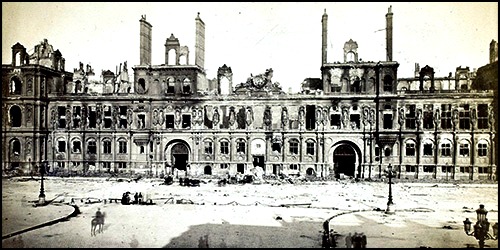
(348, 241)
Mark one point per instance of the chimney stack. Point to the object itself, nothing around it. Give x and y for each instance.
(200, 42)
(493, 51)
(388, 29)
(324, 44)
(145, 41)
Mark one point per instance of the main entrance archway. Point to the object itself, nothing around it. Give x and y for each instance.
(179, 156)
(345, 160)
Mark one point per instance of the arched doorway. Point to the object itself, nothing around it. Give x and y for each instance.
(180, 156)
(344, 160)
(207, 170)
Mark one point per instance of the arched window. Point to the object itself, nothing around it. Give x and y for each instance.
(207, 170)
(15, 86)
(482, 148)
(15, 116)
(91, 146)
(16, 147)
(241, 146)
(410, 148)
(310, 147)
(141, 88)
(224, 147)
(106, 146)
(387, 151)
(170, 85)
(76, 146)
(464, 148)
(186, 86)
(294, 146)
(122, 146)
(208, 147)
(428, 148)
(446, 148)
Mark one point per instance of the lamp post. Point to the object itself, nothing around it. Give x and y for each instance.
(390, 209)
(41, 197)
(481, 227)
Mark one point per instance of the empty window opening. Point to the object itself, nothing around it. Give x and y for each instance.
(186, 121)
(387, 121)
(335, 120)
(61, 111)
(310, 117)
(169, 121)
(15, 116)
(123, 116)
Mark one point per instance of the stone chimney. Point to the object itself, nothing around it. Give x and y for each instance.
(388, 18)
(324, 44)
(493, 51)
(145, 41)
(200, 42)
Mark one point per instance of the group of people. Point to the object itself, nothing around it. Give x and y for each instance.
(126, 200)
(329, 238)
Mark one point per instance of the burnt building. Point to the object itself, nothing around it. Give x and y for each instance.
(355, 120)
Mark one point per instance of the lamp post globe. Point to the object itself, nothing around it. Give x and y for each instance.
(480, 230)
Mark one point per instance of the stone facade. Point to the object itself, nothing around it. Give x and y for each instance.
(354, 121)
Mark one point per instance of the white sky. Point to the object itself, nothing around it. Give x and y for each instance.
(251, 37)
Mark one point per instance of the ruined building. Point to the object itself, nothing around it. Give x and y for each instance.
(354, 121)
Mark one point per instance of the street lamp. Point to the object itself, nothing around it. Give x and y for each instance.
(481, 227)
(41, 197)
(390, 209)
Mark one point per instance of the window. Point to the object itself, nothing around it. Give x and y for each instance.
(429, 169)
(16, 147)
(428, 116)
(92, 117)
(142, 149)
(61, 146)
(224, 147)
(310, 117)
(240, 146)
(446, 169)
(276, 147)
(387, 121)
(294, 146)
(428, 149)
(208, 147)
(186, 86)
(15, 116)
(122, 165)
(410, 149)
(170, 85)
(15, 85)
(387, 152)
(446, 116)
(106, 147)
(464, 149)
(410, 168)
(410, 117)
(224, 166)
(482, 170)
(355, 121)
(123, 116)
(464, 169)
(122, 147)
(482, 149)
(91, 147)
(77, 147)
(310, 148)
(141, 119)
(445, 149)
(464, 117)
(482, 116)
(107, 117)
(294, 167)
(169, 121)
(61, 112)
(77, 116)
(335, 120)
(388, 83)
(106, 165)
(186, 121)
